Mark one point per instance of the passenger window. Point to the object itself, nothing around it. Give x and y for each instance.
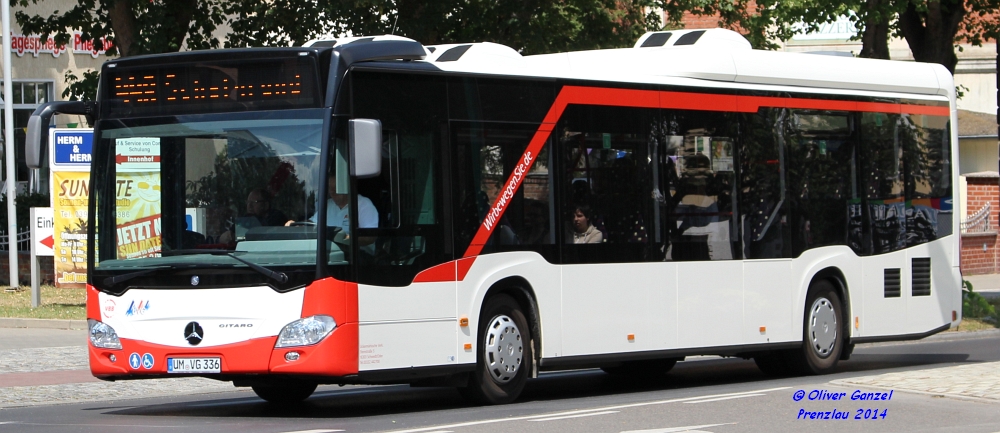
(697, 171)
(608, 210)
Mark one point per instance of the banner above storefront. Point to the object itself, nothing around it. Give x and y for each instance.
(35, 45)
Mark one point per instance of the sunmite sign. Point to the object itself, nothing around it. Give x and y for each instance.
(69, 157)
(35, 45)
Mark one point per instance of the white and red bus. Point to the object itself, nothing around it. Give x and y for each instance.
(491, 215)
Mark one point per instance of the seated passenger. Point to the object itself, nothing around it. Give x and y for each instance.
(583, 232)
(259, 213)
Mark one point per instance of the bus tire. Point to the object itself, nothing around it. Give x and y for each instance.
(504, 359)
(822, 330)
(284, 393)
(650, 367)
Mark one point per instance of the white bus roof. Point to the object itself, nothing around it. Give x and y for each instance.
(713, 57)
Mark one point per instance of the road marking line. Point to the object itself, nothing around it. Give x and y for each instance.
(574, 412)
(723, 398)
(574, 416)
(322, 430)
(687, 429)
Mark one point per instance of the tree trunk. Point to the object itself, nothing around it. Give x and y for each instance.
(875, 39)
(931, 34)
(181, 12)
(123, 24)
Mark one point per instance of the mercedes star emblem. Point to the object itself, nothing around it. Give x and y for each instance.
(195, 280)
(193, 333)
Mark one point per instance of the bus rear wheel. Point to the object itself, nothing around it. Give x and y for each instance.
(822, 337)
(284, 393)
(823, 330)
(504, 360)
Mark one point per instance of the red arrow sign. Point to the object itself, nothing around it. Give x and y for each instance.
(123, 159)
(49, 242)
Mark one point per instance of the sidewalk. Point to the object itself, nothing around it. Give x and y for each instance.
(986, 285)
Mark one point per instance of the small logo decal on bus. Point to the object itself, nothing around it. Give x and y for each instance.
(109, 308)
(193, 333)
(195, 280)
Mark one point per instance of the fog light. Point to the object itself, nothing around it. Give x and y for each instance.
(292, 356)
(112, 358)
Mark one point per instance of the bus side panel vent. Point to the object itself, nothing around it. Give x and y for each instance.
(921, 276)
(892, 286)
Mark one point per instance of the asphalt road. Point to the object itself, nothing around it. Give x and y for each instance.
(703, 395)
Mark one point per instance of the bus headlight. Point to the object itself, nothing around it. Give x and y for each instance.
(103, 335)
(306, 331)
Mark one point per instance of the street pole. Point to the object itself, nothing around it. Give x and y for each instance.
(8, 118)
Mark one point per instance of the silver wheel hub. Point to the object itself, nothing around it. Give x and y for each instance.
(503, 349)
(822, 327)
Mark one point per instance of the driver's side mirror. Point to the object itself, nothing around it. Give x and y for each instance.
(365, 136)
(38, 126)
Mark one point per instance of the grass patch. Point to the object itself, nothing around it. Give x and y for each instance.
(56, 304)
(969, 324)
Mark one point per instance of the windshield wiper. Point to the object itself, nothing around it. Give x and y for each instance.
(274, 275)
(110, 281)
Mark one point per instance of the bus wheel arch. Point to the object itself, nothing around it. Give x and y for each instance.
(508, 311)
(836, 277)
(826, 301)
(823, 328)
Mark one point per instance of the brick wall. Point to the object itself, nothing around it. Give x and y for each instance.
(979, 250)
(45, 269)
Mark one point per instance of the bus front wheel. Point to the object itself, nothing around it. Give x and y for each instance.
(504, 358)
(284, 393)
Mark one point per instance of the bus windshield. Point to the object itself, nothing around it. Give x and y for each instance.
(208, 191)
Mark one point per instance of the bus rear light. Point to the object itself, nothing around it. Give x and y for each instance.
(306, 331)
(103, 335)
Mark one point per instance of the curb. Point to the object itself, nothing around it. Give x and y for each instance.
(7, 322)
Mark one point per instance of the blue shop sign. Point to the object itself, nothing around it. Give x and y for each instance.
(73, 147)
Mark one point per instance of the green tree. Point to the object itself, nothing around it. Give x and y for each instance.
(931, 28)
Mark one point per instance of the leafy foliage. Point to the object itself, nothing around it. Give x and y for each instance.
(975, 305)
(22, 204)
(159, 26)
(930, 27)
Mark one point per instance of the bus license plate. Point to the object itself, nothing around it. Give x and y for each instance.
(194, 365)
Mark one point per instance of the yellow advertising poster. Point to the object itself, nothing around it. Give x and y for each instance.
(138, 214)
(70, 232)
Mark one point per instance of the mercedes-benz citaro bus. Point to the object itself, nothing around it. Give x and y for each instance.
(372, 210)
